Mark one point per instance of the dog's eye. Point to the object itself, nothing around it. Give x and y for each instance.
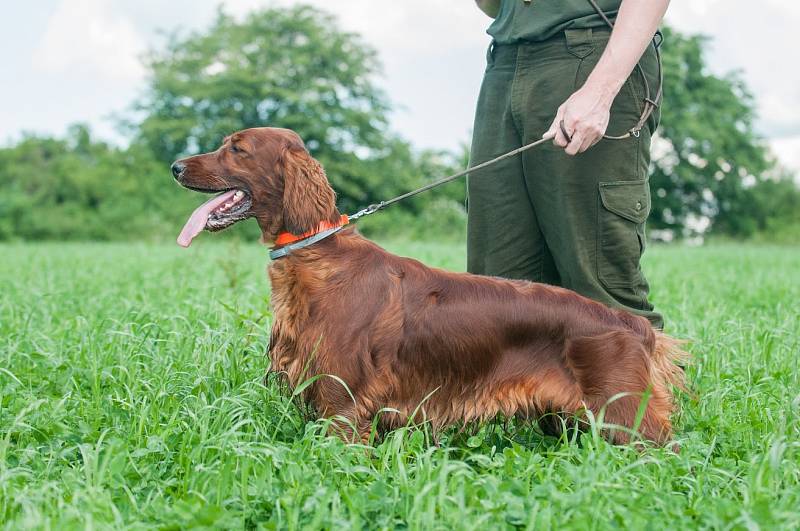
(236, 149)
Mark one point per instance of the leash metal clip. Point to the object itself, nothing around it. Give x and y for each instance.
(371, 209)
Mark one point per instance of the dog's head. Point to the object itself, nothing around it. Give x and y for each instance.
(265, 173)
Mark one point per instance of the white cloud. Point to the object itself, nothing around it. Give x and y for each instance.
(433, 54)
(759, 40)
(787, 149)
(412, 24)
(86, 36)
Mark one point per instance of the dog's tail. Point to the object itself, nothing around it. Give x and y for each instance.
(668, 361)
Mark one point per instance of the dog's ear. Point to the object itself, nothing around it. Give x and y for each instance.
(308, 199)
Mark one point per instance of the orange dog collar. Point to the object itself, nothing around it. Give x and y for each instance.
(311, 237)
(285, 238)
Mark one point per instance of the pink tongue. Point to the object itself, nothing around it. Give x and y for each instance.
(197, 221)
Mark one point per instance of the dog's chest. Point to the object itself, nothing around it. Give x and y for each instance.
(289, 313)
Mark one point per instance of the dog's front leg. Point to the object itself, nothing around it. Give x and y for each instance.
(351, 427)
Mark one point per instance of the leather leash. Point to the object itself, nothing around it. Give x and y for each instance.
(371, 209)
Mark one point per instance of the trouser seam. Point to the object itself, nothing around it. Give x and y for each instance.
(520, 129)
(542, 239)
(514, 114)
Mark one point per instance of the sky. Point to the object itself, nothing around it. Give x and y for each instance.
(67, 61)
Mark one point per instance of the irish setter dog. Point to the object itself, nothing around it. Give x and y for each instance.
(415, 343)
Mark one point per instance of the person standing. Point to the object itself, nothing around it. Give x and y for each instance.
(572, 213)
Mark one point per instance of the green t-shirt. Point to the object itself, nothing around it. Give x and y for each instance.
(541, 19)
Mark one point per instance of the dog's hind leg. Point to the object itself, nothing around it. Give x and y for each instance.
(615, 373)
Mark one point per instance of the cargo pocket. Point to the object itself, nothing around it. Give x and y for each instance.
(621, 240)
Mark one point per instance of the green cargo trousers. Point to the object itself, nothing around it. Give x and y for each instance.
(572, 221)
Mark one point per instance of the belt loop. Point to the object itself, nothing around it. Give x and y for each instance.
(578, 37)
(658, 38)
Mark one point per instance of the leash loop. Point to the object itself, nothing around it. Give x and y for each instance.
(650, 103)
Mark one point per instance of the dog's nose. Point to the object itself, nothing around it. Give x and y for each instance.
(177, 169)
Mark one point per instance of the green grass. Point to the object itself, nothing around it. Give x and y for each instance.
(132, 396)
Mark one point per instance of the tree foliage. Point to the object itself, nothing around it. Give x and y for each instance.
(79, 188)
(709, 163)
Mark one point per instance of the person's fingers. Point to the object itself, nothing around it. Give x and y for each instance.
(554, 131)
(563, 135)
(551, 132)
(575, 144)
(588, 142)
(560, 140)
(593, 135)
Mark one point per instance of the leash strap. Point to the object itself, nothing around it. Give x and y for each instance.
(371, 209)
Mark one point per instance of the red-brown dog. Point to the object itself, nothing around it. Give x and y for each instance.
(430, 344)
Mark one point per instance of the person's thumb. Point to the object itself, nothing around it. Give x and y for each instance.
(553, 130)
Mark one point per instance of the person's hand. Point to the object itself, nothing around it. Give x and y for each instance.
(585, 115)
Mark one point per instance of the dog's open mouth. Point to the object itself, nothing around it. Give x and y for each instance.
(219, 212)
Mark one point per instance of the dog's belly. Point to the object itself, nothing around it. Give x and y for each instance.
(514, 381)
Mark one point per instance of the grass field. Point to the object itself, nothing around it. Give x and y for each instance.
(131, 396)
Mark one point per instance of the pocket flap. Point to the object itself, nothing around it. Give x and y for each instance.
(629, 199)
(579, 42)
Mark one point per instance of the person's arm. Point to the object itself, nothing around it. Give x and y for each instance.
(586, 112)
(490, 7)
